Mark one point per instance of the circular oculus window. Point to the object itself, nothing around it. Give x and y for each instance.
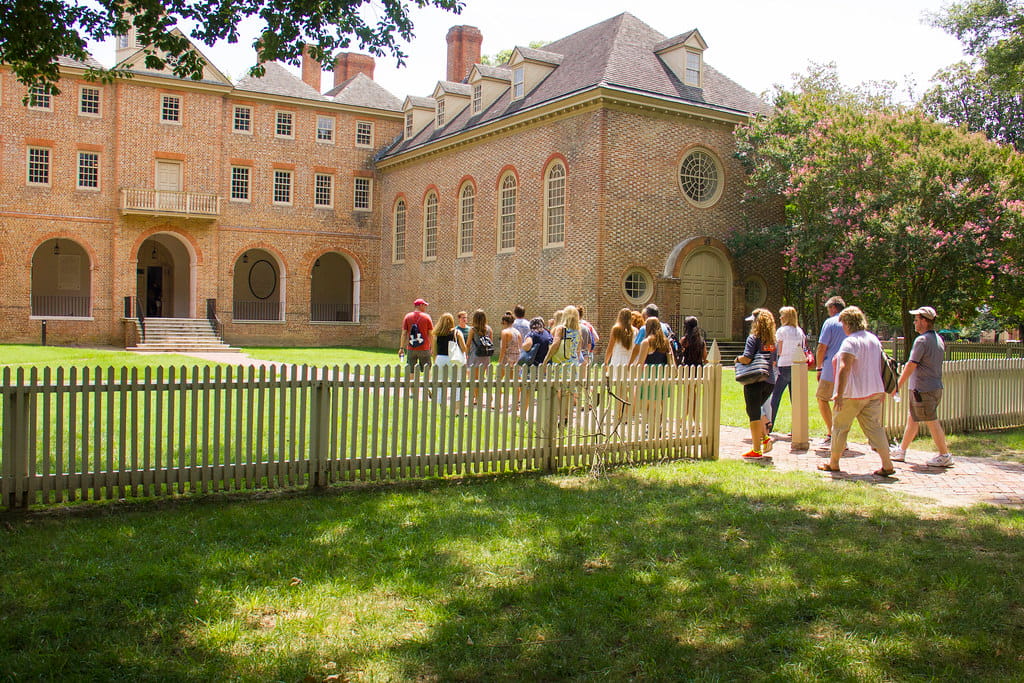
(755, 291)
(637, 286)
(700, 177)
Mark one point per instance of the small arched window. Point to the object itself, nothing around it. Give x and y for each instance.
(467, 199)
(507, 217)
(554, 205)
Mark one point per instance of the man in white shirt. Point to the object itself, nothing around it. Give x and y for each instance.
(858, 391)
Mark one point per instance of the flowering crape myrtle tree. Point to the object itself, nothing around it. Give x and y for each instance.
(886, 206)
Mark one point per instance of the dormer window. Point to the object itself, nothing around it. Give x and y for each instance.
(693, 68)
(440, 113)
(408, 124)
(478, 98)
(518, 82)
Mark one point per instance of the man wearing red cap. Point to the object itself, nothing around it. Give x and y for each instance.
(416, 336)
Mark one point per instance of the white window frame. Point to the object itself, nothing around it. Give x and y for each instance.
(362, 186)
(430, 211)
(165, 110)
(555, 189)
(328, 139)
(408, 125)
(237, 180)
(401, 216)
(518, 83)
(710, 160)
(440, 112)
(364, 130)
(467, 219)
(44, 165)
(39, 99)
(696, 71)
(94, 168)
(280, 174)
(478, 97)
(319, 185)
(508, 200)
(282, 119)
(246, 118)
(82, 101)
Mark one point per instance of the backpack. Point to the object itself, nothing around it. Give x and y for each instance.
(890, 373)
(678, 348)
(415, 336)
(484, 345)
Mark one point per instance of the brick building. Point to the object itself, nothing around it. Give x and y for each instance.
(598, 170)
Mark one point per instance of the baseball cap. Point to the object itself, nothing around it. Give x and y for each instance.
(420, 302)
(925, 312)
(749, 318)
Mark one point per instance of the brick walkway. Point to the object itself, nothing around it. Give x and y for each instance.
(969, 481)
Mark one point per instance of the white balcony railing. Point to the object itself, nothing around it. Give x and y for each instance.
(165, 203)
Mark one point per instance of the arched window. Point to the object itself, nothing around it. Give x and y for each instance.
(258, 291)
(430, 227)
(466, 219)
(507, 218)
(61, 280)
(398, 243)
(554, 205)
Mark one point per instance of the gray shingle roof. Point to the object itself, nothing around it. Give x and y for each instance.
(535, 55)
(618, 53)
(89, 63)
(363, 91)
(455, 88)
(277, 80)
(500, 73)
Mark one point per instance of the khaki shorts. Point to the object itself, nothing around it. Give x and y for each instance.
(825, 390)
(925, 410)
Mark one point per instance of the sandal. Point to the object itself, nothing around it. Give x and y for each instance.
(825, 467)
(884, 473)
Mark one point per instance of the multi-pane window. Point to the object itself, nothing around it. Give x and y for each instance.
(89, 101)
(478, 98)
(507, 226)
(38, 98)
(692, 68)
(554, 205)
(38, 166)
(325, 128)
(170, 109)
(440, 113)
(282, 187)
(285, 124)
(323, 190)
(467, 199)
(89, 170)
(241, 120)
(430, 227)
(361, 194)
(698, 177)
(408, 124)
(240, 180)
(398, 255)
(364, 134)
(518, 82)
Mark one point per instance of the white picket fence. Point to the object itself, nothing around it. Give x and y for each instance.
(106, 434)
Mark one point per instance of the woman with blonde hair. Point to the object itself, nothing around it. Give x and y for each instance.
(445, 332)
(760, 342)
(788, 338)
(620, 340)
(565, 349)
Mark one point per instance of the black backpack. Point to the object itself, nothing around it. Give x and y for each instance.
(890, 373)
(678, 348)
(415, 336)
(484, 345)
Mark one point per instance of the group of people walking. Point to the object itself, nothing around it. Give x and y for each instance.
(848, 361)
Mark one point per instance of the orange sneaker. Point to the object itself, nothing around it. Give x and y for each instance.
(752, 455)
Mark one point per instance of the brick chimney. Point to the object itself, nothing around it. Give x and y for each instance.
(348, 64)
(311, 69)
(463, 51)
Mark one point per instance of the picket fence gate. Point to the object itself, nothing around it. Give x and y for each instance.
(98, 434)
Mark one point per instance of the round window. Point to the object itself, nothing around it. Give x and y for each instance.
(700, 178)
(756, 291)
(637, 286)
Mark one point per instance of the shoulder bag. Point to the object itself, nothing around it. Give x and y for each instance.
(757, 370)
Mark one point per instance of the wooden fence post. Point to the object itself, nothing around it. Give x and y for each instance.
(713, 401)
(800, 400)
(17, 413)
(320, 426)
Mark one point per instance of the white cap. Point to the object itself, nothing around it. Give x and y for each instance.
(925, 312)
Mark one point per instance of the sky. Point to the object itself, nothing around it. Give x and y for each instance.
(757, 43)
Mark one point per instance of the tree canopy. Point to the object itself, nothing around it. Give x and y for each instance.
(992, 31)
(964, 95)
(33, 35)
(884, 205)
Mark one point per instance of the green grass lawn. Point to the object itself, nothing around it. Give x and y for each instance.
(682, 571)
(685, 570)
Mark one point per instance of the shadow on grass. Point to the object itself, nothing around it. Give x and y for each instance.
(707, 570)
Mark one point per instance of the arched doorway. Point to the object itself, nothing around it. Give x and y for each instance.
(61, 280)
(258, 291)
(164, 277)
(333, 289)
(706, 291)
